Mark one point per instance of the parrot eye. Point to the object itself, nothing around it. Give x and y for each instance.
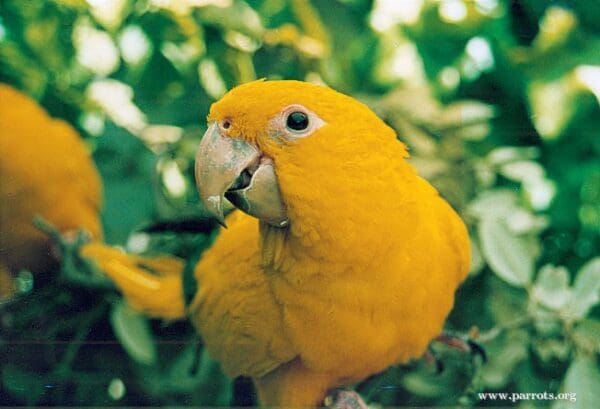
(297, 121)
(224, 125)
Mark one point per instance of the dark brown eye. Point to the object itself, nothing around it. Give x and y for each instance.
(297, 121)
(226, 124)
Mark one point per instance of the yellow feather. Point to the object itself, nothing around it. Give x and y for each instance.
(363, 277)
(152, 285)
(46, 170)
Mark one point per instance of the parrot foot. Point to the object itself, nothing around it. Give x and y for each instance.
(432, 359)
(345, 399)
(462, 343)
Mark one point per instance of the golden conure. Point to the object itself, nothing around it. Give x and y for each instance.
(46, 170)
(345, 261)
(353, 260)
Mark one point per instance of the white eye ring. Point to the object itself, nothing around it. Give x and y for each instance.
(283, 124)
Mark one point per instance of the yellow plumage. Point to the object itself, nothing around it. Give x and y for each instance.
(45, 169)
(152, 285)
(363, 277)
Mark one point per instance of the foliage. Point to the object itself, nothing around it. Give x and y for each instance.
(497, 100)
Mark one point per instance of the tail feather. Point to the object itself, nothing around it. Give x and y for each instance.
(151, 285)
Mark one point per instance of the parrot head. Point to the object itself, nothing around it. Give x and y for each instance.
(279, 150)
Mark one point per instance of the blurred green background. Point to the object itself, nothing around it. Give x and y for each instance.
(497, 100)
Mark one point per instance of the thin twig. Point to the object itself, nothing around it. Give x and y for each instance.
(498, 330)
(76, 342)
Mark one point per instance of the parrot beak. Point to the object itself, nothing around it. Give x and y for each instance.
(237, 170)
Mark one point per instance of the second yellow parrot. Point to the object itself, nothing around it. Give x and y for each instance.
(45, 170)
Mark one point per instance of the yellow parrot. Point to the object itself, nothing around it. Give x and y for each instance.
(45, 170)
(342, 261)
(351, 260)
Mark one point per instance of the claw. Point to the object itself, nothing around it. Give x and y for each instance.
(345, 399)
(477, 349)
(432, 359)
(462, 343)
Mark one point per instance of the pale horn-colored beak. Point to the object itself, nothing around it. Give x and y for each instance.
(235, 169)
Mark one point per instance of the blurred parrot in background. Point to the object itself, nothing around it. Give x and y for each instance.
(46, 170)
(342, 261)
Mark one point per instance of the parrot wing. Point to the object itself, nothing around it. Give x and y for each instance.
(235, 310)
(46, 170)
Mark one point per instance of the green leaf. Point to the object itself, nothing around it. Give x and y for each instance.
(504, 301)
(419, 384)
(118, 153)
(493, 203)
(507, 254)
(465, 113)
(553, 105)
(475, 132)
(214, 383)
(211, 79)
(582, 383)
(477, 261)
(551, 288)
(133, 331)
(587, 334)
(188, 374)
(179, 377)
(523, 170)
(237, 16)
(521, 221)
(497, 372)
(506, 154)
(586, 290)
(551, 352)
(23, 385)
